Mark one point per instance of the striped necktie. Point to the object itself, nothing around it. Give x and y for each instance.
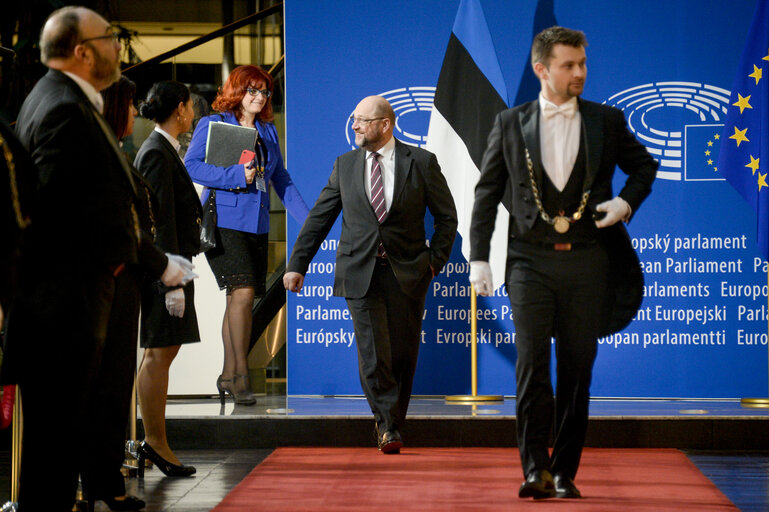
(377, 194)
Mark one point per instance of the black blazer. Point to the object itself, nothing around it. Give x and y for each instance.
(419, 185)
(609, 143)
(83, 217)
(83, 230)
(178, 214)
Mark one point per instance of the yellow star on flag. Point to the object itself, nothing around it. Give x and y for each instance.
(742, 102)
(715, 169)
(761, 181)
(710, 143)
(739, 136)
(757, 73)
(707, 153)
(765, 58)
(710, 162)
(753, 164)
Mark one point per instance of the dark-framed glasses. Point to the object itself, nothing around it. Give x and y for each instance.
(363, 120)
(112, 35)
(253, 91)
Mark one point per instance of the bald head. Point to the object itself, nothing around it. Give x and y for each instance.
(373, 123)
(77, 40)
(61, 33)
(379, 106)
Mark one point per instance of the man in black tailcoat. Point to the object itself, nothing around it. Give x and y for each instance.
(85, 231)
(571, 273)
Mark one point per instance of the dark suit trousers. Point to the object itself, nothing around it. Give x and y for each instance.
(388, 326)
(557, 294)
(110, 402)
(63, 323)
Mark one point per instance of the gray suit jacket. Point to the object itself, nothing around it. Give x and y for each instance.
(419, 185)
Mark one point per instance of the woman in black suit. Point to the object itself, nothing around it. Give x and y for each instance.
(168, 314)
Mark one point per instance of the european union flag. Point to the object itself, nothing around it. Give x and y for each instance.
(744, 157)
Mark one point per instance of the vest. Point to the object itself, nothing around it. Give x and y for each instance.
(567, 201)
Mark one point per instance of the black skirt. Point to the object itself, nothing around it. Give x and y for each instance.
(239, 260)
(158, 327)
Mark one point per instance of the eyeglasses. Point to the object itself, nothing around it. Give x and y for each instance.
(363, 121)
(113, 36)
(253, 92)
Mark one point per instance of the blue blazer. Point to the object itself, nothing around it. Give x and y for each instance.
(248, 209)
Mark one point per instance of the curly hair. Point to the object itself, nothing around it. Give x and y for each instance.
(233, 91)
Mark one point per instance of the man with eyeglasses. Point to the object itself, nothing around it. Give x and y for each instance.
(384, 264)
(85, 231)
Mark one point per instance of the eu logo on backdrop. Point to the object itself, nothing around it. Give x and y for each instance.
(702, 144)
(412, 107)
(679, 123)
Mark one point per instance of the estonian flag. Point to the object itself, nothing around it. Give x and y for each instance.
(470, 93)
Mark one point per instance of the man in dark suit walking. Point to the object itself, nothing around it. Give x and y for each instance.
(85, 231)
(555, 157)
(383, 263)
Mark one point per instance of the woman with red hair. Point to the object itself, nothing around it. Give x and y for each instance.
(239, 260)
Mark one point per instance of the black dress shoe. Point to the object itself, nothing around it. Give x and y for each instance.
(390, 442)
(538, 485)
(564, 487)
(128, 503)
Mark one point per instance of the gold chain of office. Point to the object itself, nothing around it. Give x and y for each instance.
(20, 219)
(561, 223)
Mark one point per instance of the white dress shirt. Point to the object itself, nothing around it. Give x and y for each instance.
(387, 167)
(89, 90)
(175, 143)
(559, 139)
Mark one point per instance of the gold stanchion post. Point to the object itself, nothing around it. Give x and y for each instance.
(130, 464)
(474, 397)
(16, 435)
(760, 402)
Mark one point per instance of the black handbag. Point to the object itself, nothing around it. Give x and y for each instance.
(208, 223)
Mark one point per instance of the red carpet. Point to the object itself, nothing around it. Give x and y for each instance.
(440, 479)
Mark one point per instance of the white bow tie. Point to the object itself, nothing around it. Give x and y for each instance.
(567, 109)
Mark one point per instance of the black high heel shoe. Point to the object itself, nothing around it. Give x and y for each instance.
(245, 396)
(145, 451)
(223, 391)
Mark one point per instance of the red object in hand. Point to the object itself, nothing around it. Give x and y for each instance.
(246, 156)
(6, 406)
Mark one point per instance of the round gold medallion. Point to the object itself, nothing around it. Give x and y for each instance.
(561, 224)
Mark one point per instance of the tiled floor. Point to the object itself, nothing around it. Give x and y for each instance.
(218, 471)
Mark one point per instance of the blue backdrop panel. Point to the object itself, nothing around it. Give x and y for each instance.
(701, 331)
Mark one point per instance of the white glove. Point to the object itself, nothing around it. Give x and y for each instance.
(175, 302)
(480, 278)
(186, 266)
(173, 274)
(182, 261)
(616, 209)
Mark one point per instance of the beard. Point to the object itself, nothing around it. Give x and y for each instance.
(366, 143)
(104, 71)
